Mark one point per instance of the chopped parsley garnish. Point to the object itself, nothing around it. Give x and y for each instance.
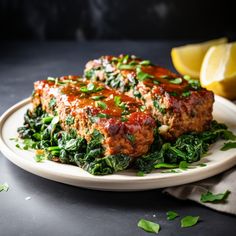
(171, 215)
(51, 79)
(131, 138)
(89, 73)
(126, 67)
(187, 77)
(164, 76)
(142, 108)
(173, 94)
(70, 120)
(137, 94)
(228, 146)
(4, 187)
(189, 221)
(91, 88)
(186, 93)
(194, 84)
(101, 104)
(123, 119)
(149, 226)
(176, 81)
(145, 63)
(143, 76)
(156, 82)
(117, 100)
(210, 197)
(159, 107)
(98, 97)
(39, 157)
(52, 103)
(102, 115)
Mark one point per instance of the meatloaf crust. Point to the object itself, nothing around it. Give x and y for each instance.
(178, 103)
(90, 106)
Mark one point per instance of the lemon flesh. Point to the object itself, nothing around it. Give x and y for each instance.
(188, 59)
(218, 72)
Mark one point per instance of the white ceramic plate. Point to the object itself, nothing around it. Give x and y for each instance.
(217, 161)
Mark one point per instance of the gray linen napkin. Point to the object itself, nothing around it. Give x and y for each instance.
(216, 184)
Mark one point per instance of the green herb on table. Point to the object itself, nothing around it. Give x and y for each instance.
(228, 146)
(149, 226)
(210, 197)
(4, 187)
(171, 215)
(189, 221)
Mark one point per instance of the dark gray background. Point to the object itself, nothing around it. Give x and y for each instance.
(58, 209)
(116, 19)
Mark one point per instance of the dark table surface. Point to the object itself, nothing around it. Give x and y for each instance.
(59, 209)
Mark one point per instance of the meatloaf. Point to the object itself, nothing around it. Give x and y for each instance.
(87, 106)
(179, 104)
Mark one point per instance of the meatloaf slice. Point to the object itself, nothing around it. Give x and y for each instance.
(180, 104)
(86, 106)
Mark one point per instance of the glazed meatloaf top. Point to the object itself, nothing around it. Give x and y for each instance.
(91, 106)
(179, 104)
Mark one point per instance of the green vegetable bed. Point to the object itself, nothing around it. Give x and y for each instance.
(43, 132)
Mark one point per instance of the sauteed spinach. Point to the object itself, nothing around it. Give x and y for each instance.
(43, 132)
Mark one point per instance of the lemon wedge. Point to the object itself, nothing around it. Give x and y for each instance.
(188, 59)
(218, 72)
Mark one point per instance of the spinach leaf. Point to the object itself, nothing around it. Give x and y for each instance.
(171, 215)
(210, 197)
(189, 221)
(4, 187)
(183, 165)
(165, 165)
(109, 164)
(228, 146)
(149, 226)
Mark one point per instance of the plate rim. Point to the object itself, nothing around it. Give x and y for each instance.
(22, 163)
